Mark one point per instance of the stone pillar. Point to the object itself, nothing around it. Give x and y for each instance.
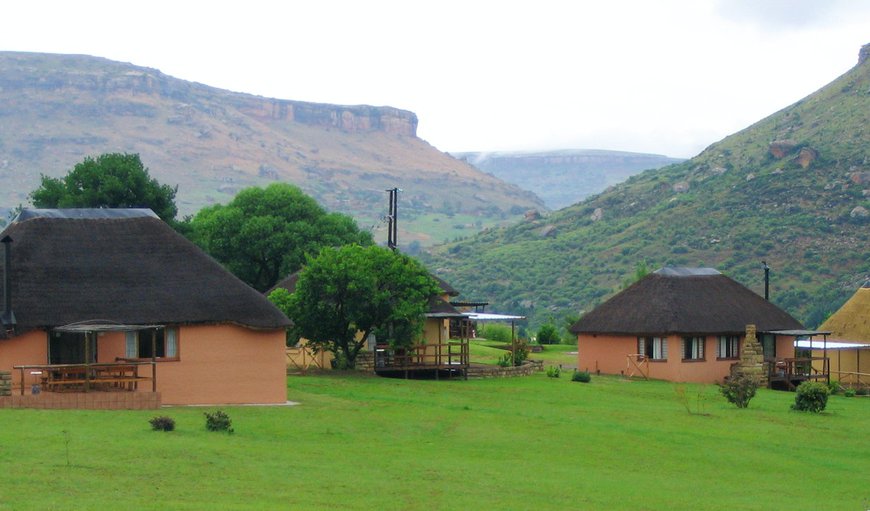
(751, 358)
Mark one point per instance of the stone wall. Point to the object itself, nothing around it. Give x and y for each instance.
(486, 371)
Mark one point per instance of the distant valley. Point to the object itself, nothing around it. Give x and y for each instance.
(562, 178)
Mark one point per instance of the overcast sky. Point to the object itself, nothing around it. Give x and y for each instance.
(668, 77)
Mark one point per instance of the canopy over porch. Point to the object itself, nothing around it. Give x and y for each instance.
(90, 375)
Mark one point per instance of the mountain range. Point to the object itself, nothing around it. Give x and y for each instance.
(565, 177)
(57, 109)
(792, 191)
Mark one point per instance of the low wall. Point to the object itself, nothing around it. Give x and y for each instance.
(488, 371)
(84, 401)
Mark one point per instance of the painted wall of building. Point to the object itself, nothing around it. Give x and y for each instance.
(30, 348)
(609, 355)
(225, 364)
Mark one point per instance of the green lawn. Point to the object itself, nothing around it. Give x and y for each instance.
(362, 442)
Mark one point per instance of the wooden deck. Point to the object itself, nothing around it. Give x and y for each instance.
(123, 376)
(788, 373)
(450, 358)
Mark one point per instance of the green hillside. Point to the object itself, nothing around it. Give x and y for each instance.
(792, 189)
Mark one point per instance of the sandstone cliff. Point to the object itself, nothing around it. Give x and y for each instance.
(57, 109)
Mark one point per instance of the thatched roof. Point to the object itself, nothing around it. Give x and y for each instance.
(438, 308)
(852, 321)
(447, 288)
(684, 301)
(288, 283)
(131, 269)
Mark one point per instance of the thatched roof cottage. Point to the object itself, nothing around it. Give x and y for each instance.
(684, 324)
(104, 286)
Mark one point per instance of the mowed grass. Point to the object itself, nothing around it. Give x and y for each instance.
(363, 442)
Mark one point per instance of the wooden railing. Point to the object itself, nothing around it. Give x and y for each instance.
(796, 370)
(851, 379)
(304, 358)
(85, 377)
(450, 355)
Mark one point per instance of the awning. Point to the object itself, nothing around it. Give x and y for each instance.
(831, 345)
(486, 316)
(799, 333)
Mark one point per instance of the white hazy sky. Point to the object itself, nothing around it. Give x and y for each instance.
(663, 76)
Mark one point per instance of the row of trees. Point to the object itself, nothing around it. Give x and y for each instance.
(349, 288)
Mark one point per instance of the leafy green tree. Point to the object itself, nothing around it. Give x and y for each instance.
(280, 298)
(264, 234)
(548, 334)
(345, 294)
(112, 180)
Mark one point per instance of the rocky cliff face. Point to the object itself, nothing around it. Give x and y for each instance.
(41, 73)
(211, 143)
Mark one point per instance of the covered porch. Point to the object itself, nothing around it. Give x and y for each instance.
(789, 372)
(77, 366)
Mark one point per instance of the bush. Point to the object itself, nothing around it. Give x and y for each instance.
(548, 334)
(218, 421)
(553, 372)
(506, 360)
(739, 390)
(581, 376)
(162, 423)
(522, 352)
(849, 392)
(811, 396)
(495, 332)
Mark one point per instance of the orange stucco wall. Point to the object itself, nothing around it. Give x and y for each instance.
(217, 364)
(225, 364)
(608, 355)
(30, 348)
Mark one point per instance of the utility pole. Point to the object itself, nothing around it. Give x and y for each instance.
(392, 217)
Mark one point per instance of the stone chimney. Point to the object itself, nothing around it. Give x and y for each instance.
(751, 358)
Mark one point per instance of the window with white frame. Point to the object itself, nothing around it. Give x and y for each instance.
(728, 346)
(693, 348)
(163, 340)
(654, 348)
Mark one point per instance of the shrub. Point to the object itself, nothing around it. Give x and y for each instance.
(548, 334)
(811, 396)
(553, 372)
(522, 351)
(505, 360)
(581, 376)
(218, 421)
(162, 423)
(834, 387)
(739, 390)
(863, 391)
(495, 332)
(849, 392)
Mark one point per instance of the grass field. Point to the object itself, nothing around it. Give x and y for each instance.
(362, 442)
